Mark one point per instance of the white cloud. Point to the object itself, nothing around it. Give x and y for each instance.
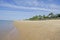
(22, 7)
(54, 6)
(50, 7)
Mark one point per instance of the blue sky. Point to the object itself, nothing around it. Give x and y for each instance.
(22, 9)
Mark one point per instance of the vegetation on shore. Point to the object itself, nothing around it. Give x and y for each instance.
(45, 17)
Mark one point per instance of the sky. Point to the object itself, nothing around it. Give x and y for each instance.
(24, 9)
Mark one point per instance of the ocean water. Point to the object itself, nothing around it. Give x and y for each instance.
(5, 27)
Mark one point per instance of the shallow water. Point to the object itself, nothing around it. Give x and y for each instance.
(7, 28)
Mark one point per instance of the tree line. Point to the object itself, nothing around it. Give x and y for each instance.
(45, 17)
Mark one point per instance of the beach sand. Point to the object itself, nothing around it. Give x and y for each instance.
(38, 30)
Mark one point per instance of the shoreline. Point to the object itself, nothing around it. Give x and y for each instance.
(34, 20)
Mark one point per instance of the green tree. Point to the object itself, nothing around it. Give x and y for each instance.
(58, 15)
(51, 15)
(34, 18)
(40, 17)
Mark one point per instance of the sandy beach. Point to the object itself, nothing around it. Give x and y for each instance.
(38, 30)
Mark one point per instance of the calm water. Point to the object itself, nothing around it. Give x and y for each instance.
(5, 28)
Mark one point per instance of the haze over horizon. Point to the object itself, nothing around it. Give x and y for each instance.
(22, 9)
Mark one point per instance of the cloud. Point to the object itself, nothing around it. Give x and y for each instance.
(26, 2)
(23, 7)
(33, 5)
(36, 3)
(54, 6)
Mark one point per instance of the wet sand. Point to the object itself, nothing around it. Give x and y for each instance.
(38, 30)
